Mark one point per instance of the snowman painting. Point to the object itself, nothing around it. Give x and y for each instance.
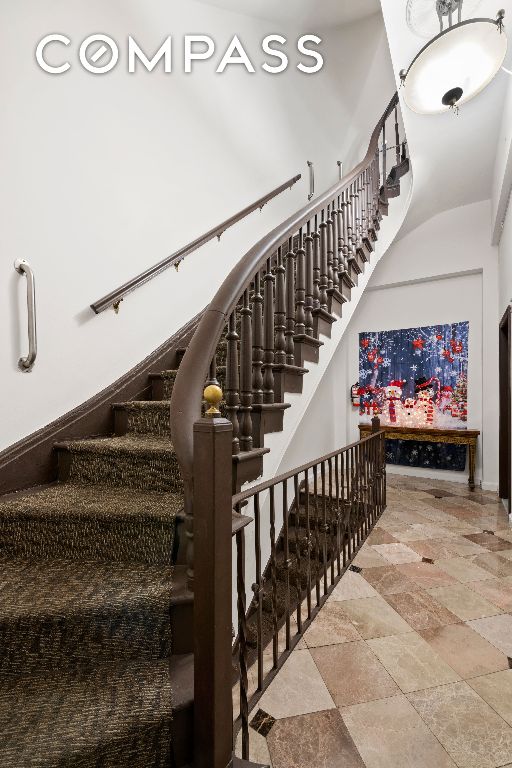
(393, 406)
(445, 399)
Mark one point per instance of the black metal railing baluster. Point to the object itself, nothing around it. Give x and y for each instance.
(242, 641)
(273, 573)
(308, 540)
(258, 587)
(286, 563)
(298, 545)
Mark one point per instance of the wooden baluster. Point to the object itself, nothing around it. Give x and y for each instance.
(335, 245)
(257, 345)
(232, 393)
(397, 137)
(362, 204)
(345, 247)
(330, 250)
(323, 264)
(246, 375)
(268, 326)
(369, 199)
(384, 164)
(349, 215)
(212, 374)
(316, 266)
(290, 304)
(309, 281)
(280, 316)
(300, 290)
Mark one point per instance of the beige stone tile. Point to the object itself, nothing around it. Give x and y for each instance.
(497, 591)
(462, 547)
(465, 650)
(463, 569)
(497, 630)
(506, 534)
(496, 690)
(352, 673)
(397, 553)
(297, 690)
(367, 557)
(319, 740)
(389, 580)
(491, 542)
(426, 575)
(420, 610)
(374, 617)
(380, 536)
(352, 586)
(435, 549)
(465, 603)
(331, 625)
(494, 563)
(507, 555)
(470, 731)
(411, 662)
(258, 748)
(419, 533)
(390, 734)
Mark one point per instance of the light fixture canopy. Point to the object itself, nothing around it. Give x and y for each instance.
(456, 64)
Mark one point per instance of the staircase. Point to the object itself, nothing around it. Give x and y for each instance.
(96, 595)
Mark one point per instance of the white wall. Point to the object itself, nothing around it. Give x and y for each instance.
(442, 272)
(104, 176)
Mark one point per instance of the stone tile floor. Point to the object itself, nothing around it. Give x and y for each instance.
(409, 663)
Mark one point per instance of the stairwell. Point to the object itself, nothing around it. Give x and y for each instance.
(96, 606)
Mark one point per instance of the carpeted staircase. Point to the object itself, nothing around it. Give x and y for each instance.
(89, 595)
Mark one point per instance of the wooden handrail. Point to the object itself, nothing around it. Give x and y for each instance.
(114, 297)
(187, 392)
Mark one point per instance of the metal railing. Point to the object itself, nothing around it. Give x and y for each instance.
(308, 525)
(113, 298)
(325, 510)
(26, 364)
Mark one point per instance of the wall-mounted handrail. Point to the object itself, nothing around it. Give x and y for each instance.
(26, 364)
(112, 299)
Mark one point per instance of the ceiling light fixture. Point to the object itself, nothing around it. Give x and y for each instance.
(456, 64)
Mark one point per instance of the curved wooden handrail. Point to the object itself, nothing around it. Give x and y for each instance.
(114, 297)
(188, 388)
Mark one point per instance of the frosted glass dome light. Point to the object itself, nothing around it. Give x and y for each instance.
(455, 66)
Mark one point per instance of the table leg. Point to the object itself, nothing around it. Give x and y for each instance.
(472, 464)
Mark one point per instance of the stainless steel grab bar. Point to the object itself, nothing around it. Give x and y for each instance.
(311, 180)
(23, 268)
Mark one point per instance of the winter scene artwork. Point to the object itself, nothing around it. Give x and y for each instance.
(415, 377)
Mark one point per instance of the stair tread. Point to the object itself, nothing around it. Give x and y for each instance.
(144, 405)
(124, 444)
(120, 713)
(63, 500)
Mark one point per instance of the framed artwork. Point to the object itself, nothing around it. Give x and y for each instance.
(415, 376)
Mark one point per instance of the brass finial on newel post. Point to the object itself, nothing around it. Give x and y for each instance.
(213, 396)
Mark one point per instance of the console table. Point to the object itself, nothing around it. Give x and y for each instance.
(467, 437)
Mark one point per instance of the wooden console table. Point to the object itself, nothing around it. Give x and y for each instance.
(467, 437)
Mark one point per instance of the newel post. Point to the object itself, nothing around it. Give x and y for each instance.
(213, 708)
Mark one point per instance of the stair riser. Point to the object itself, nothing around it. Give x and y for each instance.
(264, 423)
(144, 421)
(88, 540)
(148, 473)
(82, 641)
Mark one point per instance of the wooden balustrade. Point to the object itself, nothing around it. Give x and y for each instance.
(276, 300)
